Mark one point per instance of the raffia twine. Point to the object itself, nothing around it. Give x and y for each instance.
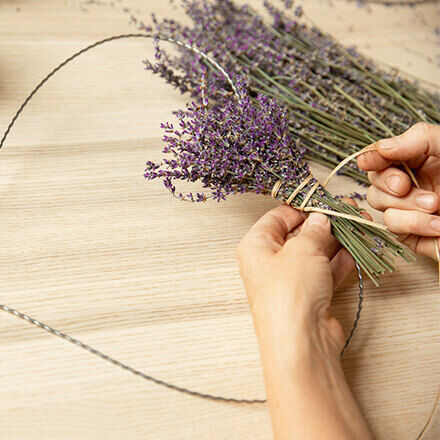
(303, 207)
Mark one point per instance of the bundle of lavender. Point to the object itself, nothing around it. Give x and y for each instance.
(247, 146)
(338, 101)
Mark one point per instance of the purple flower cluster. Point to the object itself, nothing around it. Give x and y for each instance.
(245, 146)
(337, 101)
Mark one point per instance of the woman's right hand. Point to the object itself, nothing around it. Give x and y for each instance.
(412, 213)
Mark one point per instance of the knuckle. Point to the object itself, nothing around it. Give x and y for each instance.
(388, 218)
(260, 235)
(311, 240)
(413, 221)
(318, 230)
(372, 197)
(254, 237)
(421, 127)
(273, 214)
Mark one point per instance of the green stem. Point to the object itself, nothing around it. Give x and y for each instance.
(361, 107)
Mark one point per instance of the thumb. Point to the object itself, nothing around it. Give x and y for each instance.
(420, 140)
(315, 237)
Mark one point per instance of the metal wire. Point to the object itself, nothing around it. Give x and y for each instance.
(121, 364)
(107, 40)
(153, 379)
(358, 312)
(88, 348)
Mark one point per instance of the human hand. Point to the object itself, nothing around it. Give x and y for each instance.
(295, 266)
(290, 270)
(411, 212)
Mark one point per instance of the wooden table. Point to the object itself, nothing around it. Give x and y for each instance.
(89, 247)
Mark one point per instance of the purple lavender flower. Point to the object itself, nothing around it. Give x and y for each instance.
(246, 146)
(337, 101)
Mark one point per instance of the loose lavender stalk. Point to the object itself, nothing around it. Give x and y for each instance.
(337, 101)
(247, 146)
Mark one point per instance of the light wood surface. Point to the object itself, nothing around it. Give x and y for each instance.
(89, 247)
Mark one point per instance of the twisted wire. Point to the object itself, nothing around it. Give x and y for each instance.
(358, 311)
(119, 364)
(77, 342)
(107, 40)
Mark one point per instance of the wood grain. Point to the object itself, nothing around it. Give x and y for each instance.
(87, 246)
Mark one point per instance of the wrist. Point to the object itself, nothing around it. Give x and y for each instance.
(303, 373)
(307, 392)
(297, 351)
(291, 325)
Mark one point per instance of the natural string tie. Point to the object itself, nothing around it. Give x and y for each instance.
(303, 206)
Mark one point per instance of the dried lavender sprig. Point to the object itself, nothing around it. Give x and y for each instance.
(247, 146)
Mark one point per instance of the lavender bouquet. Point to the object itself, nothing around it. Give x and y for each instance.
(247, 146)
(337, 100)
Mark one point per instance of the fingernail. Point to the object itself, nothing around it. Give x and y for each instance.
(393, 182)
(317, 219)
(435, 224)
(426, 201)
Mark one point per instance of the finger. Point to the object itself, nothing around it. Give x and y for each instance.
(349, 201)
(420, 140)
(366, 215)
(334, 247)
(295, 232)
(402, 221)
(422, 246)
(353, 203)
(416, 162)
(315, 237)
(341, 264)
(372, 161)
(270, 231)
(416, 199)
(391, 180)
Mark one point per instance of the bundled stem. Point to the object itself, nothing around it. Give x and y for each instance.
(368, 245)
